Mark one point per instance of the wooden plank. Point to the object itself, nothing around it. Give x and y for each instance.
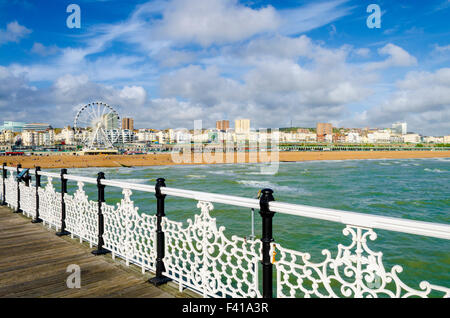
(33, 263)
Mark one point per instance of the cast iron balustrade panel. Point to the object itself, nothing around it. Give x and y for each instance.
(129, 234)
(81, 215)
(201, 257)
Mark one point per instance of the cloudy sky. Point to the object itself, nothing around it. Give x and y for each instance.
(167, 63)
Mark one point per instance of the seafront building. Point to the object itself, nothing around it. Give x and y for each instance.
(324, 132)
(242, 126)
(37, 127)
(223, 125)
(127, 123)
(41, 134)
(111, 121)
(400, 128)
(12, 126)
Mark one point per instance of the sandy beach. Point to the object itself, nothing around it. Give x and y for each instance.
(71, 161)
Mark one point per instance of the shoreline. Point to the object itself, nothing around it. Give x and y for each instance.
(86, 161)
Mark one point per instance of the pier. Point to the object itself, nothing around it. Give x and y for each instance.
(33, 263)
(125, 253)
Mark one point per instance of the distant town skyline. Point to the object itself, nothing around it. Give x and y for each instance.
(240, 126)
(274, 62)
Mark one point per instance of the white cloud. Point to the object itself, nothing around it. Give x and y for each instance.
(396, 57)
(214, 21)
(311, 16)
(14, 32)
(40, 49)
(421, 98)
(363, 52)
(136, 94)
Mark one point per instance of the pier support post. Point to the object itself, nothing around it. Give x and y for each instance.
(159, 279)
(63, 231)
(37, 185)
(101, 227)
(18, 209)
(4, 175)
(267, 215)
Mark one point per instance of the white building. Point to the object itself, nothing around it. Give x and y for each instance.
(145, 135)
(411, 138)
(7, 137)
(433, 140)
(399, 128)
(67, 135)
(120, 135)
(353, 137)
(379, 137)
(242, 126)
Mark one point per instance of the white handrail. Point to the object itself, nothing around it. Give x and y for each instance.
(364, 220)
(430, 229)
(49, 174)
(127, 185)
(80, 178)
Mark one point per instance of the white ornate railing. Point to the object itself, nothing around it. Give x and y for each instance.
(201, 257)
(129, 234)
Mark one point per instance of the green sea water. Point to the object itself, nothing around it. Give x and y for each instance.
(416, 189)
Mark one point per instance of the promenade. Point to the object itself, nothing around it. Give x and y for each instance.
(33, 263)
(71, 161)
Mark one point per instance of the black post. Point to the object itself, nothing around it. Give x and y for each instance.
(159, 279)
(18, 209)
(63, 204)
(267, 215)
(101, 198)
(4, 175)
(37, 185)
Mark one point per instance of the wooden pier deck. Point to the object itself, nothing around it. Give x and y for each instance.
(33, 263)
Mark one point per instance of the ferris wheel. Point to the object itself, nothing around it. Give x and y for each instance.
(97, 125)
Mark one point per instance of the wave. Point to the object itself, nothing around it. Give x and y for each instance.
(270, 185)
(267, 173)
(196, 176)
(442, 159)
(222, 172)
(140, 181)
(435, 170)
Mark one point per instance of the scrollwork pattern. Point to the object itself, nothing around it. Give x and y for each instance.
(82, 215)
(356, 271)
(50, 205)
(201, 257)
(130, 235)
(27, 199)
(11, 190)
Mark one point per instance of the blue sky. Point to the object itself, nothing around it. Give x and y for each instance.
(168, 63)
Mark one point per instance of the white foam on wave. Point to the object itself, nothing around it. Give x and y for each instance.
(196, 176)
(270, 185)
(442, 159)
(140, 181)
(435, 170)
(265, 173)
(222, 172)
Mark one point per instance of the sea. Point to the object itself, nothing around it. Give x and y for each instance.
(415, 189)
